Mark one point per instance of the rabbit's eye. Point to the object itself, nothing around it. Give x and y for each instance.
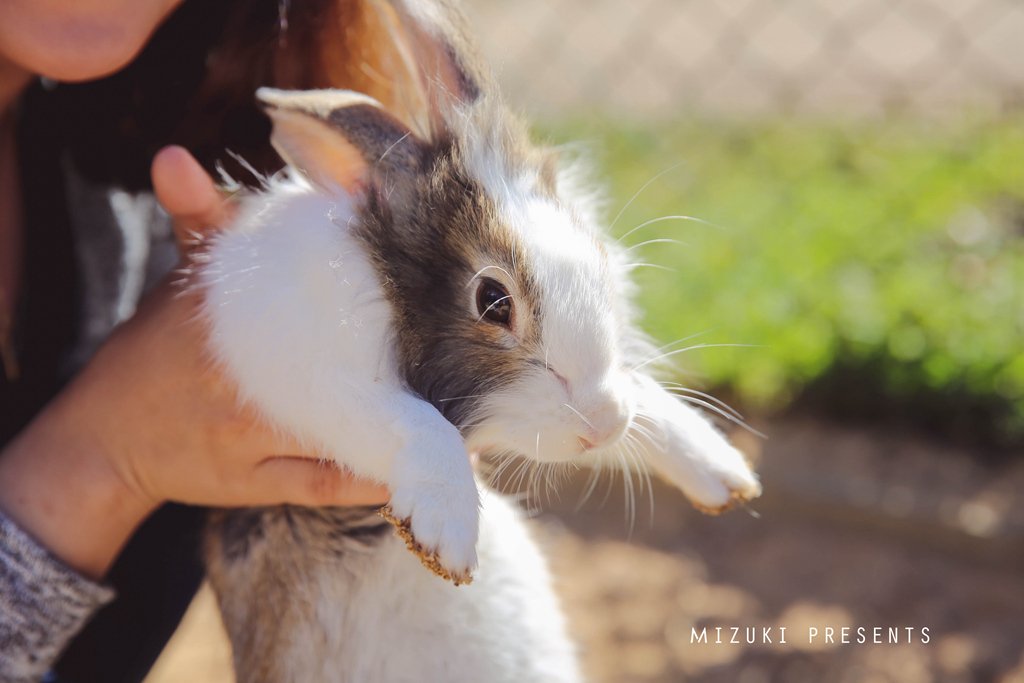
(494, 303)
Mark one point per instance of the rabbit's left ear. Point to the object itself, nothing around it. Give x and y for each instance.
(424, 65)
(340, 138)
(435, 44)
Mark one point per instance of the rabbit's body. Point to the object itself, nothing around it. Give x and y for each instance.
(334, 595)
(300, 319)
(361, 340)
(410, 296)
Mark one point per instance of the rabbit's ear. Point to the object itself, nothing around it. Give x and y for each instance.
(435, 49)
(340, 138)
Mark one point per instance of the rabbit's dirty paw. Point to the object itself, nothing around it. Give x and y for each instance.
(444, 540)
(723, 482)
(735, 498)
(429, 558)
(714, 475)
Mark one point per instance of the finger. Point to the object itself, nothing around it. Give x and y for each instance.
(302, 481)
(255, 440)
(188, 194)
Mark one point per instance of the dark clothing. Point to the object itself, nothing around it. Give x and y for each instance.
(84, 270)
(95, 239)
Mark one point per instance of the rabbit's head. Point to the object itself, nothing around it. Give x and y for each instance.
(510, 309)
(508, 306)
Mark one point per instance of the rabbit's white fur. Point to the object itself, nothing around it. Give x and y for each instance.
(373, 614)
(591, 341)
(318, 305)
(299, 317)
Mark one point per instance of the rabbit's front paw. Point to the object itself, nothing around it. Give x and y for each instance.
(440, 525)
(715, 478)
(725, 489)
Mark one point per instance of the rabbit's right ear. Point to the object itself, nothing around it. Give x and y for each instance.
(341, 139)
(434, 59)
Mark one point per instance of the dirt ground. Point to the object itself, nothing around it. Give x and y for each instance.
(856, 529)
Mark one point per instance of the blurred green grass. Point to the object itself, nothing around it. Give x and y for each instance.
(890, 254)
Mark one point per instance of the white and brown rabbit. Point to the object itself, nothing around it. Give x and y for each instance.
(406, 295)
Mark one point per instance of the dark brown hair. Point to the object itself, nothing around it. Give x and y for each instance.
(194, 84)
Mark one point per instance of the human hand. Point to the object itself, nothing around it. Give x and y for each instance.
(150, 419)
(202, 427)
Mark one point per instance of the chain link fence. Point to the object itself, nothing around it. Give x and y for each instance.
(657, 58)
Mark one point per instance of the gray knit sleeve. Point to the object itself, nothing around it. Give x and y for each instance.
(43, 604)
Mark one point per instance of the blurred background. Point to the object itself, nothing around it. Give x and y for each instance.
(842, 182)
(860, 168)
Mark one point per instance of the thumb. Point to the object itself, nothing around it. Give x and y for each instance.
(188, 194)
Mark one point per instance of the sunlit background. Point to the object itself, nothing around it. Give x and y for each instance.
(856, 172)
(859, 166)
(837, 188)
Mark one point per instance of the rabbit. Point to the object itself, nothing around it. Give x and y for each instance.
(406, 294)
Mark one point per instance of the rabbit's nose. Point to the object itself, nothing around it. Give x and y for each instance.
(605, 424)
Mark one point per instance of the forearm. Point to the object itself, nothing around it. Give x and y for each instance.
(63, 519)
(57, 486)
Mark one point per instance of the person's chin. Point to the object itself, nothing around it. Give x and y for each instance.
(88, 62)
(77, 48)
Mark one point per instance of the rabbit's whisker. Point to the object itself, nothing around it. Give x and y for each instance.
(643, 430)
(484, 270)
(656, 240)
(580, 415)
(516, 478)
(591, 484)
(692, 348)
(646, 470)
(262, 178)
(394, 144)
(627, 489)
(681, 340)
(677, 388)
(662, 219)
(495, 303)
(631, 447)
(650, 265)
(552, 476)
(640, 191)
(459, 398)
(502, 462)
(718, 411)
